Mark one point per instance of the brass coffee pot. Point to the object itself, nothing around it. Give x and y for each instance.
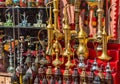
(82, 48)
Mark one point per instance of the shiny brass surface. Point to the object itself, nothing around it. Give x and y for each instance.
(8, 2)
(53, 31)
(83, 76)
(67, 34)
(49, 72)
(50, 28)
(104, 55)
(66, 74)
(57, 63)
(57, 33)
(100, 12)
(82, 48)
(77, 12)
(57, 50)
(21, 78)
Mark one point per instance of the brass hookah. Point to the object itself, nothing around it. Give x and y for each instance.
(102, 36)
(104, 56)
(67, 33)
(77, 11)
(53, 31)
(50, 29)
(100, 12)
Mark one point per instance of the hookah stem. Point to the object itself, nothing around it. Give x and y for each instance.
(10, 59)
(67, 28)
(77, 11)
(106, 19)
(100, 16)
(104, 42)
(14, 36)
(55, 10)
(20, 78)
(50, 30)
(18, 12)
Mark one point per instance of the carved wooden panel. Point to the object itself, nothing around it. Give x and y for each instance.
(5, 78)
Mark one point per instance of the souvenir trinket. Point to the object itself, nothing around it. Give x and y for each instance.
(24, 21)
(8, 22)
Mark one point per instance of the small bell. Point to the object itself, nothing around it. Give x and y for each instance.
(83, 76)
(44, 81)
(97, 80)
(101, 75)
(49, 72)
(41, 72)
(14, 79)
(60, 81)
(25, 79)
(76, 81)
(68, 81)
(34, 67)
(95, 65)
(58, 74)
(52, 81)
(91, 77)
(36, 81)
(67, 74)
(75, 76)
(108, 68)
(108, 78)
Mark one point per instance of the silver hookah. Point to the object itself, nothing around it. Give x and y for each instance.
(10, 69)
(108, 68)
(21, 49)
(94, 65)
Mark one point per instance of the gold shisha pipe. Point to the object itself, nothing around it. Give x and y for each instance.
(104, 55)
(67, 34)
(55, 10)
(50, 33)
(100, 15)
(77, 12)
(66, 26)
